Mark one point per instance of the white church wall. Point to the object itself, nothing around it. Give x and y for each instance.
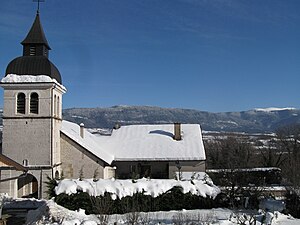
(35, 137)
(41, 176)
(27, 138)
(56, 142)
(10, 98)
(9, 187)
(12, 187)
(57, 114)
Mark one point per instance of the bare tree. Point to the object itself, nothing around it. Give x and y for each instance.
(180, 219)
(289, 143)
(229, 153)
(133, 217)
(271, 157)
(102, 206)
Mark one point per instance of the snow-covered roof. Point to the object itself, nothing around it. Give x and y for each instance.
(13, 78)
(72, 130)
(141, 142)
(154, 142)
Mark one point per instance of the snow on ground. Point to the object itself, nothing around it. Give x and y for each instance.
(123, 188)
(49, 213)
(52, 214)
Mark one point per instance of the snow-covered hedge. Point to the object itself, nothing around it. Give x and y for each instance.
(121, 196)
(122, 188)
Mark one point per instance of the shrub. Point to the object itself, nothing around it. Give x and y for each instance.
(172, 200)
(293, 203)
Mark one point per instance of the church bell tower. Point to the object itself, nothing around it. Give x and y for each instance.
(32, 112)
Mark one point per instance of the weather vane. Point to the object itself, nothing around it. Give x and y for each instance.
(38, 5)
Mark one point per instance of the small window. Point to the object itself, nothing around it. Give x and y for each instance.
(21, 103)
(34, 103)
(25, 162)
(32, 50)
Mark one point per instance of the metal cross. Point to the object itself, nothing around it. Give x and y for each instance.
(38, 5)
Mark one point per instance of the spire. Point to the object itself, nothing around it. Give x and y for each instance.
(36, 35)
(35, 55)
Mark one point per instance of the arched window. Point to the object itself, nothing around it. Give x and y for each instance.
(58, 109)
(54, 110)
(21, 99)
(34, 103)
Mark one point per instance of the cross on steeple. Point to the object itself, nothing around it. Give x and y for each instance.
(38, 5)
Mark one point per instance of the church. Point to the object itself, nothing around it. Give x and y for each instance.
(37, 143)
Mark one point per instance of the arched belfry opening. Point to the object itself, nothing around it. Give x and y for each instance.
(21, 103)
(34, 103)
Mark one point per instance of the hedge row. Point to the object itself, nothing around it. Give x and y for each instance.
(172, 200)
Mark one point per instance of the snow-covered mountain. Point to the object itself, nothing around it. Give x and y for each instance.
(256, 120)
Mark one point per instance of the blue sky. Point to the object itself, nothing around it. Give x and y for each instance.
(211, 55)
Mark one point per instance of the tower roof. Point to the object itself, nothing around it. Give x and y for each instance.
(33, 65)
(36, 34)
(35, 55)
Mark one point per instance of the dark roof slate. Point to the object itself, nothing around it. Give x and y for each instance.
(38, 63)
(33, 65)
(36, 34)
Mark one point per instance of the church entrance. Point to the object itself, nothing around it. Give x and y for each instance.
(27, 186)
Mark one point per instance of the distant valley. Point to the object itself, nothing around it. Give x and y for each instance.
(252, 121)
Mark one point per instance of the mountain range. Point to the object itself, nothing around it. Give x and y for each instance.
(251, 121)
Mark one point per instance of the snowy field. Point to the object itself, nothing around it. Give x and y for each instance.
(49, 213)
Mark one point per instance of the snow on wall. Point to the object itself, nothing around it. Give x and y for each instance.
(123, 188)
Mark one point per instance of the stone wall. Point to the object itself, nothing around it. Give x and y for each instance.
(74, 158)
(14, 189)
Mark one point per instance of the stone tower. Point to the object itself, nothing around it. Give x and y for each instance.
(32, 114)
